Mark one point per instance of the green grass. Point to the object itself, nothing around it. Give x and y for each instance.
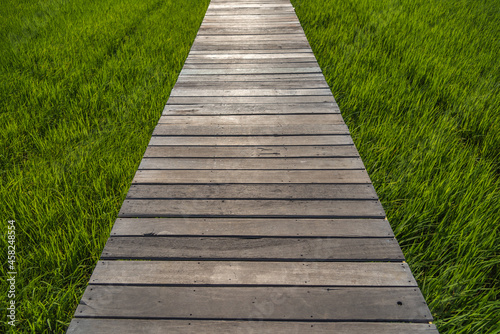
(418, 83)
(82, 85)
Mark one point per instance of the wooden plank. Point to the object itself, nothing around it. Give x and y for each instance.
(253, 273)
(250, 176)
(252, 38)
(271, 303)
(257, 163)
(211, 85)
(253, 65)
(285, 56)
(246, 109)
(197, 92)
(251, 70)
(248, 77)
(254, 191)
(256, 140)
(245, 227)
(249, 151)
(251, 99)
(207, 30)
(243, 52)
(261, 249)
(129, 326)
(253, 119)
(264, 46)
(251, 208)
(251, 17)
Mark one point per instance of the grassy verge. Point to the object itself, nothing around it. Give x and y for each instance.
(82, 84)
(418, 83)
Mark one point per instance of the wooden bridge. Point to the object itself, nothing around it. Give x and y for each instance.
(251, 211)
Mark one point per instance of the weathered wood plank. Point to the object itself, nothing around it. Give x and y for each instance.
(197, 92)
(207, 30)
(252, 38)
(252, 65)
(129, 326)
(290, 85)
(246, 109)
(250, 70)
(278, 227)
(265, 46)
(252, 273)
(261, 249)
(249, 77)
(276, 57)
(272, 303)
(253, 119)
(251, 208)
(254, 191)
(250, 176)
(256, 140)
(249, 151)
(251, 99)
(258, 163)
(250, 130)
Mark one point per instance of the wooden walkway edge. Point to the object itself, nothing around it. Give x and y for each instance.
(251, 211)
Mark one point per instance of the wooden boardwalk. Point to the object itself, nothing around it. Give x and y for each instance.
(251, 211)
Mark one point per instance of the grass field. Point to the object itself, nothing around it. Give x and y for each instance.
(82, 85)
(418, 83)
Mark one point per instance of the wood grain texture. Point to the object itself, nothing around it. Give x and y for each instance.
(129, 326)
(250, 130)
(243, 109)
(250, 152)
(253, 120)
(261, 249)
(253, 273)
(251, 141)
(254, 191)
(268, 227)
(252, 208)
(276, 303)
(250, 176)
(256, 163)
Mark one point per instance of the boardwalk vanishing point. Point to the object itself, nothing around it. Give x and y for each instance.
(251, 211)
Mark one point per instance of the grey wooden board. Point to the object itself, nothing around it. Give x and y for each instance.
(251, 65)
(251, 208)
(261, 249)
(252, 273)
(250, 130)
(222, 91)
(244, 52)
(249, 151)
(129, 326)
(251, 70)
(250, 17)
(250, 176)
(250, 56)
(250, 5)
(257, 163)
(251, 99)
(302, 62)
(242, 109)
(274, 29)
(262, 140)
(284, 85)
(254, 191)
(267, 227)
(265, 46)
(247, 11)
(276, 303)
(251, 38)
(248, 77)
(253, 119)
